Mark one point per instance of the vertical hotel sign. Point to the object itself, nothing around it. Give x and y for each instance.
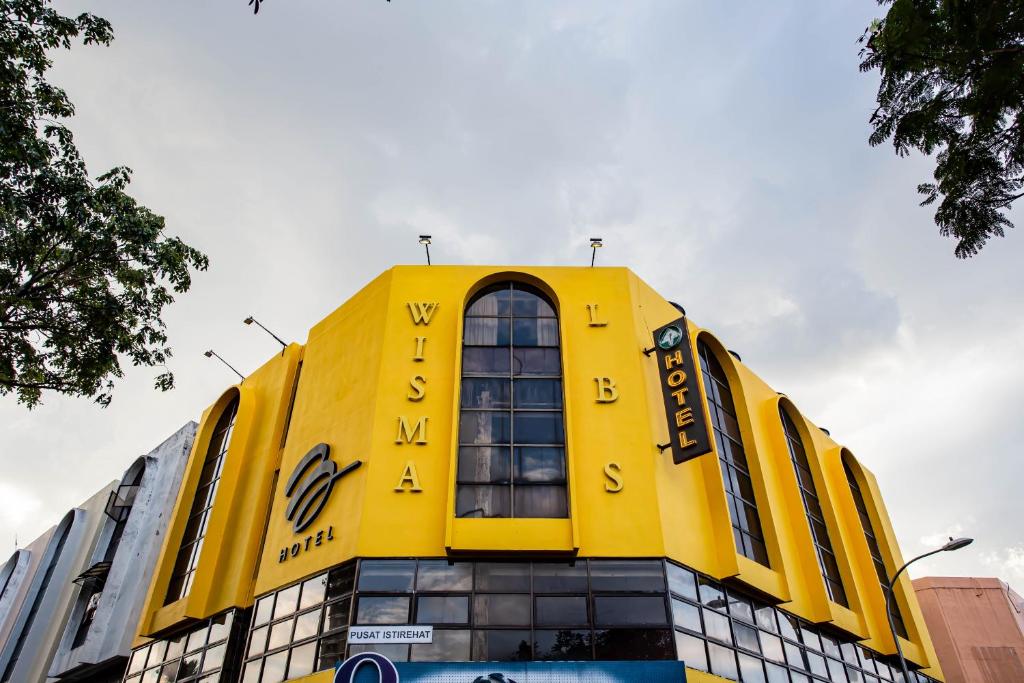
(689, 436)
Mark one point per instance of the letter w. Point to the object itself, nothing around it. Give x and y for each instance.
(422, 311)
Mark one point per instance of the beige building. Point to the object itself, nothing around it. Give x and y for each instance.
(977, 626)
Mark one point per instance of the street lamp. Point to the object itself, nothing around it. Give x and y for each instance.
(425, 241)
(954, 544)
(250, 320)
(595, 244)
(213, 354)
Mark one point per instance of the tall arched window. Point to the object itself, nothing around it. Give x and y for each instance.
(876, 552)
(202, 504)
(511, 431)
(739, 488)
(815, 517)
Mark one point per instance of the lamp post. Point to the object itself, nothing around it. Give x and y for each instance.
(213, 354)
(250, 320)
(954, 544)
(595, 244)
(425, 241)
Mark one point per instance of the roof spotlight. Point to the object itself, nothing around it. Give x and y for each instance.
(595, 244)
(425, 241)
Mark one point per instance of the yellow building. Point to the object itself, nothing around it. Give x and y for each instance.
(538, 464)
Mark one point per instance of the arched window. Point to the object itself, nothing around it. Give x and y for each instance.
(202, 504)
(876, 552)
(815, 517)
(57, 543)
(511, 431)
(739, 489)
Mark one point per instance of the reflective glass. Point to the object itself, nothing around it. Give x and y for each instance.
(274, 667)
(280, 634)
(501, 610)
(626, 575)
(214, 658)
(723, 661)
(691, 651)
(332, 651)
(486, 360)
(506, 577)
(751, 669)
(680, 581)
(442, 609)
(302, 660)
(386, 575)
(717, 626)
(559, 578)
(498, 302)
(561, 645)
(307, 625)
(527, 304)
(746, 637)
(535, 332)
(540, 501)
(485, 464)
(448, 646)
(558, 610)
(485, 427)
(483, 501)
(530, 361)
(396, 653)
(383, 610)
(487, 393)
(771, 647)
(633, 643)
(313, 591)
(686, 615)
(337, 614)
(501, 646)
(440, 575)
(287, 602)
(258, 641)
(486, 332)
(614, 610)
(341, 581)
(539, 464)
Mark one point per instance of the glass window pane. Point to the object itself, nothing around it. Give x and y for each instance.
(138, 660)
(340, 581)
(175, 647)
(302, 660)
(448, 646)
(561, 610)
(383, 610)
(710, 594)
(691, 652)
(541, 501)
(559, 578)
(337, 614)
(307, 625)
(614, 610)
(485, 464)
(746, 637)
(540, 428)
(274, 667)
(501, 646)
(440, 575)
(530, 305)
(487, 360)
(627, 575)
(751, 669)
(538, 394)
(771, 647)
(794, 656)
(189, 665)
(740, 608)
(280, 634)
(287, 602)
(787, 626)
(680, 581)
(442, 609)
(717, 626)
(386, 575)
(561, 645)
(817, 664)
(332, 651)
(196, 639)
(485, 428)
(486, 393)
(836, 670)
(723, 661)
(483, 501)
(540, 464)
(501, 610)
(220, 627)
(214, 657)
(313, 591)
(766, 618)
(498, 302)
(776, 674)
(633, 643)
(535, 361)
(686, 615)
(511, 577)
(535, 332)
(258, 641)
(486, 332)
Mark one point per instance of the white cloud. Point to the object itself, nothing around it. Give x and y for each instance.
(1008, 563)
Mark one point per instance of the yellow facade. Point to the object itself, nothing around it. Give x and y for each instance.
(378, 381)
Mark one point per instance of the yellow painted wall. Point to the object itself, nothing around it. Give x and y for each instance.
(357, 377)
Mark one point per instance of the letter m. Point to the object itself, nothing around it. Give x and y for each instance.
(414, 434)
(422, 311)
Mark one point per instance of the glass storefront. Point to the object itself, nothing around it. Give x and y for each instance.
(591, 609)
(203, 653)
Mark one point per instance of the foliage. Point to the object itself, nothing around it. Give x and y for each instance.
(953, 85)
(84, 269)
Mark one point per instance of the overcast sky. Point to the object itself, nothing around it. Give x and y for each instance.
(720, 149)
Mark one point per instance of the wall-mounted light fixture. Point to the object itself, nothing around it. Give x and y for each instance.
(250, 320)
(595, 244)
(425, 241)
(213, 354)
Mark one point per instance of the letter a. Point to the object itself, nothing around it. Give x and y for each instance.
(410, 477)
(422, 311)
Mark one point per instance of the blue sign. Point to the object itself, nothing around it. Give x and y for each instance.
(370, 667)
